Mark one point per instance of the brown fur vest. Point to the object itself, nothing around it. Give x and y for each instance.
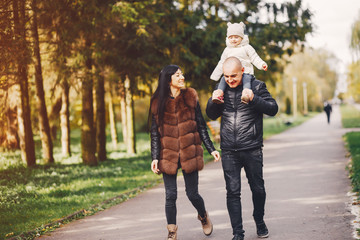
(179, 136)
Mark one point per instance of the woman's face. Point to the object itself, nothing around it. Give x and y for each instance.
(177, 80)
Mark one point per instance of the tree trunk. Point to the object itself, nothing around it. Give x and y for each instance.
(45, 135)
(130, 142)
(100, 117)
(12, 137)
(25, 131)
(54, 116)
(112, 119)
(123, 111)
(88, 137)
(65, 119)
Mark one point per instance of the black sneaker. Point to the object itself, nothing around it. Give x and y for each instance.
(262, 230)
(238, 237)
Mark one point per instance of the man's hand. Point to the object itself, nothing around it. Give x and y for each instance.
(216, 156)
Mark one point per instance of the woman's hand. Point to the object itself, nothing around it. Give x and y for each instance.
(154, 166)
(216, 156)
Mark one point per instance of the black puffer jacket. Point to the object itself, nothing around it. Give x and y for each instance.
(242, 124)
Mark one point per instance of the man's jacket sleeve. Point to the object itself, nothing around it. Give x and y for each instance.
(263, 102)
(214, 110)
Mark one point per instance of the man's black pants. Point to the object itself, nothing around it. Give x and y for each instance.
(252, 161)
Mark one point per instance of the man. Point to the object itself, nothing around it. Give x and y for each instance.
(242, 141)
(328, 110)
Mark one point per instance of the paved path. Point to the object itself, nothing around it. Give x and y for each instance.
(306, 183)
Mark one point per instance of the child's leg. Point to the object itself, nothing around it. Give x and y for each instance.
(222, 84)
(246, 80)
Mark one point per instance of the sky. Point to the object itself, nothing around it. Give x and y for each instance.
(333, 20)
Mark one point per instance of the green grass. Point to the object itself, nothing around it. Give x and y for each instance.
(353, 145)
(351, 119)
(31, 198)
(275, 125)
(350, 116)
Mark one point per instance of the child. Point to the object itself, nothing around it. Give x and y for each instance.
(238, 46)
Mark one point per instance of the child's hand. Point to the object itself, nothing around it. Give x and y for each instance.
(265, 67)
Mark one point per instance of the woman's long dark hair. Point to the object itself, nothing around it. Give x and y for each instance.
(162, 91)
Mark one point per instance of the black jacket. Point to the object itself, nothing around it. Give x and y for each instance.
(201, 127)
(242, 124)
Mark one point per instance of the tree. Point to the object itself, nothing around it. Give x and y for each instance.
(22, 60)
(9, 138)
(57, 21)
(355, 37)
(124, 47)
(353, 80)
(112, 118)
(354, 69)
(314, 67)
(100, 116)
(45, 135)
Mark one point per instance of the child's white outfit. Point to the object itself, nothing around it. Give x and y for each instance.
(244, 52)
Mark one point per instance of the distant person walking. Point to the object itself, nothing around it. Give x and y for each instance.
(242, 141)
(328, 110)
(177, 131)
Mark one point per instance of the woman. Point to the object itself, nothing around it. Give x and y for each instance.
(177, 131)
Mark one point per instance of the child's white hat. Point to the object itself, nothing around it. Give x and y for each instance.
(235, 29)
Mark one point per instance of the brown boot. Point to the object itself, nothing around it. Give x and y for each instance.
(172, 228)
(206, 224)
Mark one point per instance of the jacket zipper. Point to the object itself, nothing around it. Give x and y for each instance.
(235, 108)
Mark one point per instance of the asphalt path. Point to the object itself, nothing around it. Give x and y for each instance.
(307, 189)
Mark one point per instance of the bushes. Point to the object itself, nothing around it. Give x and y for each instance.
(353, 145)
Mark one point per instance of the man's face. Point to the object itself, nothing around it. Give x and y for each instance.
(233, 75)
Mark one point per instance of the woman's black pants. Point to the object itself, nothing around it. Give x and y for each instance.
(191, 188)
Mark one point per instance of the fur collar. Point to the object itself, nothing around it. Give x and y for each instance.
(189, 95)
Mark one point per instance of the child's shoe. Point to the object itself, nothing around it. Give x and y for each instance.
(219, 100)
(244, 98)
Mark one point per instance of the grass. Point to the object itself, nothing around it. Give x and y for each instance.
(353, 145)
(350, 116)
(275, 125)
(32, 200)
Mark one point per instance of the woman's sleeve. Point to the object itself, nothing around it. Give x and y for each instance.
(155, 139)
(201, 126)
